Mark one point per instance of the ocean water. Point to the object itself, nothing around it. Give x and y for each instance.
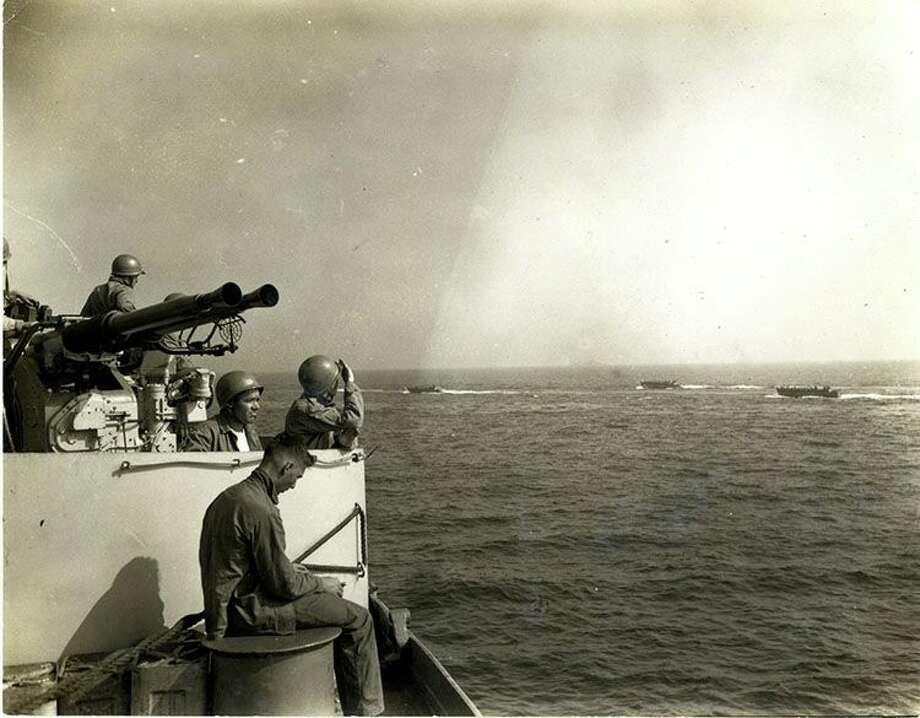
(571, 545)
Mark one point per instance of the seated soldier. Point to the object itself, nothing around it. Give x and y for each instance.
(251, 586)
(239, 395)
(315, 417)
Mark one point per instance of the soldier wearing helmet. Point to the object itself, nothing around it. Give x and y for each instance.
(239, 395)
(118, 292)
(315, 417)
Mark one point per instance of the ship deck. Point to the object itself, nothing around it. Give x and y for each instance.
(402, 695)
(417, 684)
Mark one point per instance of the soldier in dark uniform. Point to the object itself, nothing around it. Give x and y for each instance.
(118, 292)
(239, 395)
(251, 587)
(315, 417)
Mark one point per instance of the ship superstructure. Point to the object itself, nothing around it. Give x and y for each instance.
(102, 513)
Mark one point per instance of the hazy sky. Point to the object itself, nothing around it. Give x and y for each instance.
(457, 184)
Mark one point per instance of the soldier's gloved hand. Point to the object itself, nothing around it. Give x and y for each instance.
(332, 585)
(345, 370)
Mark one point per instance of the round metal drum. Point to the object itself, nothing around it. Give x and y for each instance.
(274, 675)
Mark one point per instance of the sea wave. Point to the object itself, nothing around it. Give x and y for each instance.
(746, 386)
(448, 391)
(871, 396)
(479, 391)
(697, 386)
(796, 398)
(882, 397)
(621, 585)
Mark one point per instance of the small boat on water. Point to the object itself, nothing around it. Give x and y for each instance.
(797, 392)
(428, 389)
(659, 384)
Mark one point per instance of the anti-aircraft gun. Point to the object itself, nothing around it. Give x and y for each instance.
(121, 381)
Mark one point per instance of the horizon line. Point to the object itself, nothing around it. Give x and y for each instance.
(605, 365)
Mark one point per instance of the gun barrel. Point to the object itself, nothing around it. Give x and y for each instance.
(114, 330)
(265, 296)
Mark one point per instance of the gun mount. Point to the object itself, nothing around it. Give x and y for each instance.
(112, 382)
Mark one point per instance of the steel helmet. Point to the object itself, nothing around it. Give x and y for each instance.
(234, 383)
(126, 265)
(318, 375)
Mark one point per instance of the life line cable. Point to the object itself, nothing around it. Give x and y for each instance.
(351, 457)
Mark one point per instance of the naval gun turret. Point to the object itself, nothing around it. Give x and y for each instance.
(121, 381)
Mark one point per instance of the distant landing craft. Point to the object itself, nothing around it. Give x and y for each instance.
(659, 384)
(799, 391)
(430, 389)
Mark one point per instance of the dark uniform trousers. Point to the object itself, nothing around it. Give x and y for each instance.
(357, 674)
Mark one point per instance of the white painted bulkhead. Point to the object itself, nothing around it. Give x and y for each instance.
(98, 555)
